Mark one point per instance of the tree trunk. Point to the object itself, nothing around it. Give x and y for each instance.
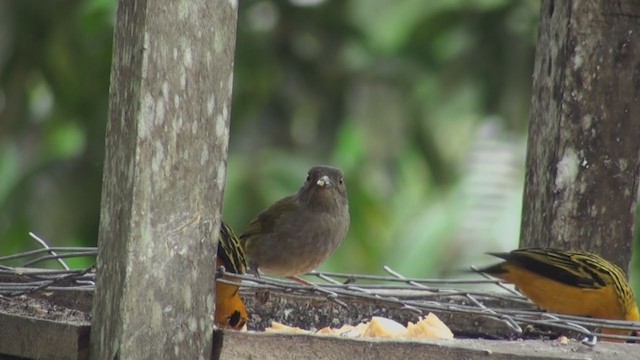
(584, 135)
(164, 176)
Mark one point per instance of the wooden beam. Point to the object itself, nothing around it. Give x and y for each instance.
(583, 151)
(164, 176)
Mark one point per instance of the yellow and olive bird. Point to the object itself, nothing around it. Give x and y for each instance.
(569, 282)
(230, 309)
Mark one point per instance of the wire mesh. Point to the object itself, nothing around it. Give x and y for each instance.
(416, 295)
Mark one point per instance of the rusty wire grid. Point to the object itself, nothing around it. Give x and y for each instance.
(416, 295)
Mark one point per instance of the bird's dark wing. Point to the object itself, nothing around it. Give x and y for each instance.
(266, 221)
(230, 252)
(563, 267)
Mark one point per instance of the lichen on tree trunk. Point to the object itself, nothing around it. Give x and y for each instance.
(164, 176)
(583, 151)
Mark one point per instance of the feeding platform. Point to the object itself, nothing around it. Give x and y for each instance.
(46, 314)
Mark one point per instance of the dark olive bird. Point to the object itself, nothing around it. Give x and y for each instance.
(230, 309)
(569, 282)
(299, 232)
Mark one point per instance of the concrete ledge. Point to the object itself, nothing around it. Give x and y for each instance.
(43, 339)
(44, 328)
(248, 345)
(38, 329)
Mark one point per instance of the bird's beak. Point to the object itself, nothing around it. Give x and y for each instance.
(324, 181)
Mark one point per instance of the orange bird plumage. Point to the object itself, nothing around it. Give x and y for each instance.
(569, 282)
(230, 309)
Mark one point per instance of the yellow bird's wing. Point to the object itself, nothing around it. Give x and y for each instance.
(230, 253)
(610, 274)
(563, 267)
(601, 285)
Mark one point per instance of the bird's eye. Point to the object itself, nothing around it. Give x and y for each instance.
(308, 178)
(341, 181)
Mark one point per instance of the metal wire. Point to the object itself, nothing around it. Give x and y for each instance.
(89, 251)
(416, 295)
(514, 316)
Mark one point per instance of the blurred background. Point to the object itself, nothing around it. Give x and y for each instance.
(423, 104)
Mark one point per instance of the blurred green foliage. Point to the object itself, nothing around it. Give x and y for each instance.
(401, 95)
(423, 104)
